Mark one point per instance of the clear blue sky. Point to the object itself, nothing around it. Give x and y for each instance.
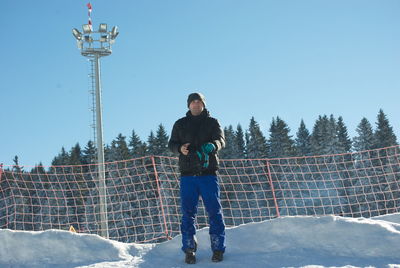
(292, 59)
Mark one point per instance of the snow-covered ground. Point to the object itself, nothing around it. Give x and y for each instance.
(327, 241)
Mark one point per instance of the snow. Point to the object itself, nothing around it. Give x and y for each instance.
(327, 241)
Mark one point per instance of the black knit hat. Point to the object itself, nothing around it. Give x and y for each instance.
(196, 96)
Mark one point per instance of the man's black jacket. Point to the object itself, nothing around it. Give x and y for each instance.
(196, 130)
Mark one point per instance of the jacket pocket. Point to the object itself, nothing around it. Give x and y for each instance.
(194, 163)
(190, 163)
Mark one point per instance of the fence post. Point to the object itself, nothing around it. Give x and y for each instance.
(159, 195)
(273, 190)
(5, 199)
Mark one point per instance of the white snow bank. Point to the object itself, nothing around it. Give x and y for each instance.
(295, 242)
(395, 218)
(327, 241)
(55, 248)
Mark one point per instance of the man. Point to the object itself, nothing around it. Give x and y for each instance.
(197, 138)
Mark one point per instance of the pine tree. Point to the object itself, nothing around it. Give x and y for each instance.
(38, 169)
(247, 139)
(302, 143)
(324, 138)
(230, 151)
(365, 139)
(75, 156)
(240, 143)
(108, 154)
(257, 145)
(137, 148)
(161, 142)
(384, 135)
(143, 149)
(318, 136)
(343, 137)
(280, 142)
(61, 159)
(273, 142)
(16, 167)
(332, 139)
(89, 153)
(119, 148)
(151, 141)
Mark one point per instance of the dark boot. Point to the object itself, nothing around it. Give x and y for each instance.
(190, 257)
(217, 256)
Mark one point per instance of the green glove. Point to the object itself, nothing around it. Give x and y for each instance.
(200, 155)
(205, 150)
(206, 162)
(208, 148)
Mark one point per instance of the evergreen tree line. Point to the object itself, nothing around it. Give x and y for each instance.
(328, 136)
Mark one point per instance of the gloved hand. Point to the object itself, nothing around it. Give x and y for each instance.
(205, 150)
(200, 155)
(208, 148)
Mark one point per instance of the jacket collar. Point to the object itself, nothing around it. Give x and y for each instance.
(204, 113)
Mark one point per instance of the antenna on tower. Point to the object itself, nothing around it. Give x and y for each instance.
(89, 6)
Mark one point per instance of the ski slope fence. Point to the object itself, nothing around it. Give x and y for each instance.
(143, 194)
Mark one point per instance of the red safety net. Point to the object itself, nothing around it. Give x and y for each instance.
(143, 194)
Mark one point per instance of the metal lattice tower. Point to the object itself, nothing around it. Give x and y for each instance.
(92, 92)
(94, 45)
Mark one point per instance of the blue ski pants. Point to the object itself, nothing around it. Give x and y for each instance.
(191, 187)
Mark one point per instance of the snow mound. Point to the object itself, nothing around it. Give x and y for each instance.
(55, 248)
(327, 241)
(395, 218)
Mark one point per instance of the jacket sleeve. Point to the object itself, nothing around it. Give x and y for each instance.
(218, 137)
(174, 143)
